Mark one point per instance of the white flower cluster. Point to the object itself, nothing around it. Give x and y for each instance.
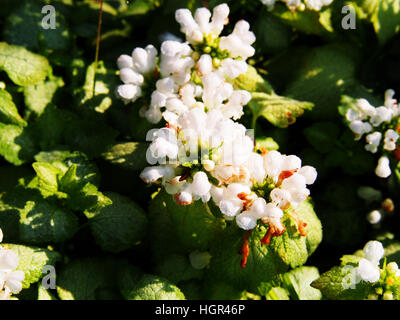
(134, 70)
(368, 270)
(380, 126)
(10, 280)
(202, 153)
(293, 5)
(191, 74)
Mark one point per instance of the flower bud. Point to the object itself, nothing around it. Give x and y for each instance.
(374, 217)
(388, 295)
(392, 267)
(383, 168)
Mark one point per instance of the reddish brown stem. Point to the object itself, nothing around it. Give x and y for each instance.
(245, 250)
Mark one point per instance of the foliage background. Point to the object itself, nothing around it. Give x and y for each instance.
(62, 202)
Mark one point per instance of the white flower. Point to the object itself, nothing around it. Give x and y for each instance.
(133, 71)
(164, 144)
(232, 68)
(373, 141)
(296, 186)
(199, 26)
(374, 251)
(359, 128)
(200, 186)
(129, 92)
(352, 115)
(280, 197)
(383, 168)
(309, 173)
(391, 103)
(368, 268)
(391, 137)
(367, 271)
(272, 212)
(144, 60)
(383, 114)
(317, 4)
(176, 61)
(231, 204)
(273, 162)
(1, 235)
(10, 280)
(239, 42)
(204, 65)
(152, 174)
(246, 221)
(374, 217)
(129, 76)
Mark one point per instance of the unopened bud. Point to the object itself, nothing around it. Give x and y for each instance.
(209, 165)
(207, 49)
(392, 267)
(372, 296)
(374, 217)
(388, 205)
(388, 295)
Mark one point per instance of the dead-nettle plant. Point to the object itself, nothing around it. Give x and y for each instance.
(201, 152)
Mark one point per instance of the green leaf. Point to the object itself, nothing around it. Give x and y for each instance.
(307, 21)
(293, 248)
(91, 136)
(32, 260)
(139, 7)
(85, 170)
(177, 268)
(265, 262)
(48, 176)
(322, 136)
(130, 155)
(16, 144)
(39, 95)
(272, 35)
(266, 143)
(106, 82)
(44, 294)
(322, 77)
(277, 293)
(262, 266)
(151, 287)
(252, 81)
(280, 111)
(386, 19)
(193, 225)
(298, 282)
(22, 66)
(40, 222)
(331, 285)
(24, 27)
(119, 225)
(88, 279)
(8, 110)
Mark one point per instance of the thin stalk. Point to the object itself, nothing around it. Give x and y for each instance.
(96, 59)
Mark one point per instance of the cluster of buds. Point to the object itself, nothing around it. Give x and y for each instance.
(293, 5)
(201, 153)
(10, 279)
(381, 127)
